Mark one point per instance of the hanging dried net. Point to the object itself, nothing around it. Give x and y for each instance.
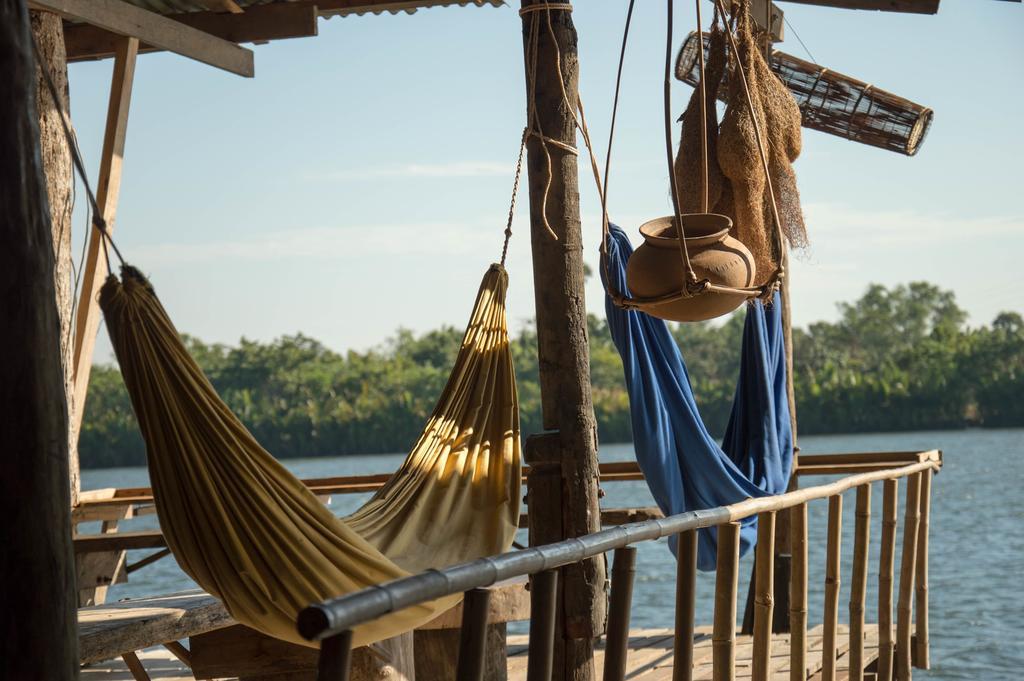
(738, 184)
(689, 167)
(834, 103)
(740, 159)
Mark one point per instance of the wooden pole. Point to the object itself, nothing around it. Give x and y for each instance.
(830, 623)
(723, 636)
(859, 581)
(108, 187)
(905, 604)
(38, 626)
(886, 561)
(921, 660)
(764, 599)
(798, 594)
(48, 31)
(562, 343)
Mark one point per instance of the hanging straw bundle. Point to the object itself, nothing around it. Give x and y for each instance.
(688, 163)
(737, 182)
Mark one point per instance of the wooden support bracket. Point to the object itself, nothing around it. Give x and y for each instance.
(87, 320)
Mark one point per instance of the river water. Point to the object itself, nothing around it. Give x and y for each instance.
(976, 556)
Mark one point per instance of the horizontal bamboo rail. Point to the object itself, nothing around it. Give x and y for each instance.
(618, 471)
(332, 620)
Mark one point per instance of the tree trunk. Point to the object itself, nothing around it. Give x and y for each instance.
(48, 30)
(563, 349)
(37, 629)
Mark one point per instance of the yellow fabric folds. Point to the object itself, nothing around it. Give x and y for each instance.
(250, 533)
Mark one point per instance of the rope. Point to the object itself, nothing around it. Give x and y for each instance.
(97, 216)
(779, 270)
(684, 254)
(546, 6)
(515, 192)
(605, 228)
(704, 113)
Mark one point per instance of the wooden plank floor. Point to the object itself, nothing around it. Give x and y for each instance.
(650, 654)
(650, 658)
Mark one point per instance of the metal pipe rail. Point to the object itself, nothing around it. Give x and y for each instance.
(332, 621)
(337, 614)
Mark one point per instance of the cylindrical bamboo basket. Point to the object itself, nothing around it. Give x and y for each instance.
(834, 103)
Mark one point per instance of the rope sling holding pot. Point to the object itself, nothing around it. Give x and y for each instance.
(708, 272)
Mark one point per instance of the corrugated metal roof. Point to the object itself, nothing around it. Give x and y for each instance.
(330, 8)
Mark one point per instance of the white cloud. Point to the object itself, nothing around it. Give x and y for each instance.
(423, 171)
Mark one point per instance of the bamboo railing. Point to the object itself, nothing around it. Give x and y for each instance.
(331, 622)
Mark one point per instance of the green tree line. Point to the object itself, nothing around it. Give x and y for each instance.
(898, 358)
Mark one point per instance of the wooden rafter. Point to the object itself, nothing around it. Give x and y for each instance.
(258, 23)
(126, 19)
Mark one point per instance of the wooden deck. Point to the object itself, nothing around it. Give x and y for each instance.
(650, 655)
(650, 658)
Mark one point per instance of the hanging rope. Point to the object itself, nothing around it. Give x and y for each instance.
(97, 215)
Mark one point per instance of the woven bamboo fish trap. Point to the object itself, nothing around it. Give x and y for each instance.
(834, 103)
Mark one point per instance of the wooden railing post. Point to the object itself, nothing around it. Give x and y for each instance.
(335, 657)
(764, 596)
(798, 594)
(859, 581)
(723, 637)
(921, 635)
(830, 622)
(620, 602)
(886, 560)
(686, 605)
(543, 600)
(473, 635)
(905, 605)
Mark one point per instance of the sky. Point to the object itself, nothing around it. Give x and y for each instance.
(360, 182)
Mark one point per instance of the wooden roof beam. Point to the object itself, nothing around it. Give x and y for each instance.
(259, 23)
(124, 19)
(910, 6)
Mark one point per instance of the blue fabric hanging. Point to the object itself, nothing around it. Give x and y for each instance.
(685, 468)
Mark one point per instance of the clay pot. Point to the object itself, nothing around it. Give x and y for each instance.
(656, 269)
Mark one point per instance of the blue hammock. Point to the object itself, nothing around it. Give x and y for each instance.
(684, 466)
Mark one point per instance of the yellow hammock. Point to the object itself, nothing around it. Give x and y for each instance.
(250, 533)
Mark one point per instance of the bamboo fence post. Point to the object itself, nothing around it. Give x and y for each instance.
(831, 617)
(723, 637)
(798, 594)
(859, 581)
(905, 605)
(921, 635)
(764, 596)
(886, 559)
(686, 603)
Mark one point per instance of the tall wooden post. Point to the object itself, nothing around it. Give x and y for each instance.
(562, 336)
(37, 629)
(48, 30)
